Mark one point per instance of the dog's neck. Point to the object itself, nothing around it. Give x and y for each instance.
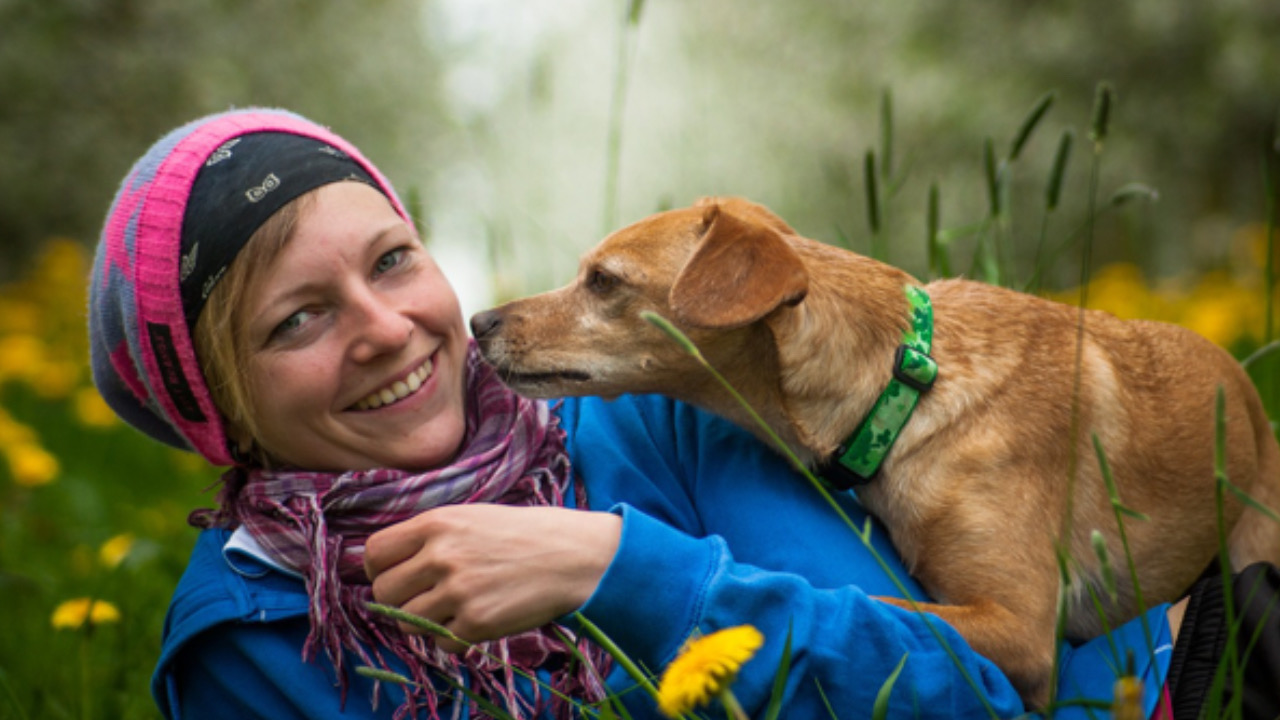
(843, 336)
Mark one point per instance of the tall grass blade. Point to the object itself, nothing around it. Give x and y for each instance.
(826, 702)
(1230, 660)
(1104, 559)
(873, 202)
(991, 171)
(617, 111)
(939, 257)
(1073, 433)
(1271, 187)
(383, 675)
(1053, 191)
(1121, 512)
(633, 12)
(1029, 124)
(1102, 100)
(774, 708)
(1133, 191)
(639, 676)
(989, 247)
(1260, 353)
(886, 136)
(419, 622)
(414, 205)
(880, 709)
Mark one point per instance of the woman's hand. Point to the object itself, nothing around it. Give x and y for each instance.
(488, 571)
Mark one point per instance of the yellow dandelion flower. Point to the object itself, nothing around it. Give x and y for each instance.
(18, 316)
(13, 432)
(55, 380)
(20, 356)
(30, 464)
(705, 668)
(1126, 703)
(72, 614)
(1120, 289)
(114, 551)
(92, 410)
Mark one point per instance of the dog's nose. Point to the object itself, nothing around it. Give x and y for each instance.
(484, 323)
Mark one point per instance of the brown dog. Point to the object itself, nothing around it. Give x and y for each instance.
(975, 490)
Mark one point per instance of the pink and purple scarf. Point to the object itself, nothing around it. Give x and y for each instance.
(316, 523)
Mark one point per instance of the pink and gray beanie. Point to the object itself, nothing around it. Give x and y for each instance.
(182, 214)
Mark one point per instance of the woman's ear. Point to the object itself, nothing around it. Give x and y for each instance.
(240, 443)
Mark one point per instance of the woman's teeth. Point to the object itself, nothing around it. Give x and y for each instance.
(398, 390)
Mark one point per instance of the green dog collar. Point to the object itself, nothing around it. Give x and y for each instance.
(859, 457)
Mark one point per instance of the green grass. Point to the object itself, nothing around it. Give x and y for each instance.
(112, 482)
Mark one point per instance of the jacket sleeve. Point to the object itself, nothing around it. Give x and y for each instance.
(844, 643)
(718, 531)
(252, 670)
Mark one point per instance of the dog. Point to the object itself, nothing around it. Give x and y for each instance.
(996, 467)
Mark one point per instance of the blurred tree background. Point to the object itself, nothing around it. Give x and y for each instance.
(87, 85)
(501, 113)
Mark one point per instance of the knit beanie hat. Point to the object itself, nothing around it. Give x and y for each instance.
(140, 343)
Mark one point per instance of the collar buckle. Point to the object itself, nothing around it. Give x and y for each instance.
(914, 368)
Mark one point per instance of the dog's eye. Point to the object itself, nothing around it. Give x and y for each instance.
(601, 282)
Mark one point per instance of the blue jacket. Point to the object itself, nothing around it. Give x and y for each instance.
(717, 531)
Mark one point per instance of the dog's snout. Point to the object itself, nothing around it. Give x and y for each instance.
(485, 323)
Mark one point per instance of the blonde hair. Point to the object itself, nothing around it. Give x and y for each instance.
(221, 331)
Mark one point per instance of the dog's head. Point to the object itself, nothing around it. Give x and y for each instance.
(714, 270)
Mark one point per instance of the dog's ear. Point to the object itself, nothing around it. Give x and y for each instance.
(740, 272)
(744, 208)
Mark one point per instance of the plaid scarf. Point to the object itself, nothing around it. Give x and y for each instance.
(317, 523)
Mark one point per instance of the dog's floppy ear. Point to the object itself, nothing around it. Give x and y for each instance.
(748, 210)
(740, 272)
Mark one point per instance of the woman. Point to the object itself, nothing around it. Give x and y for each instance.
(260, 297)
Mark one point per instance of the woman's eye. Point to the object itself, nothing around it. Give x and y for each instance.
(291, 324)
(389, 261)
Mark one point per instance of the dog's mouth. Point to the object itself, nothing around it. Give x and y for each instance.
(515, 378)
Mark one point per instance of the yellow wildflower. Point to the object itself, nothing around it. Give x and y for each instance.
(705, 668)
(92, 410)
(1127, 701)
(73, 614)
(18, 316)
(30, 464)
(13, 432)
(114, 551)
(20, 356)
(55, 379)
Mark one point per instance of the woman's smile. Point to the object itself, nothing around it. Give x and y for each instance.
(399, 389)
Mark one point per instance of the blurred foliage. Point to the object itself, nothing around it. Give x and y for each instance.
(1198, 95)
(780, 102)
(88, 85)
(91, 513)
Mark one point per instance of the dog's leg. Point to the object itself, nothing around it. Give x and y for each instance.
(1256, 537)
(993, 581)
(1022, 647)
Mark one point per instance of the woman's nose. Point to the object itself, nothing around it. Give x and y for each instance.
(380, 328)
